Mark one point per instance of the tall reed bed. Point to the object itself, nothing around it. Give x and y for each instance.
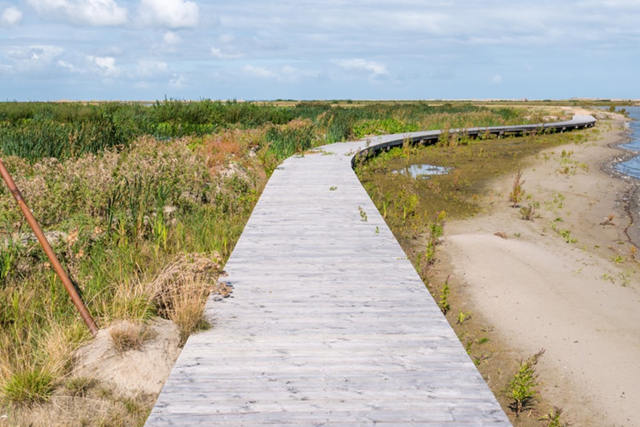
(34, 131)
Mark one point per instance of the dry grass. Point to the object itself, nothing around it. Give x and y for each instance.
(182, 288)
(127, 336)
(27, 377)
(186, 307)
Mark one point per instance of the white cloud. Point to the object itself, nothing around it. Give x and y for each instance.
(68, 66)
(170, 13)
(170, 38)
(178, 80)
(496, 79)
(42, 53)
(10, 16)
(375, 69)
(220, 54)
(149, 69)
(86, 12)
(259, 71)
(32, 59)
(106, 65)
(286, 73)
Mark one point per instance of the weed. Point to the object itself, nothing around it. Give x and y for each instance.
(618, 259)
(608, 278)
(565, 234)
(554, 418)
(522, 388)
(517, 192)
(333, 188)
(444, 297)
(528, 213)
(463, 317)
(625, 278)
(363, 214)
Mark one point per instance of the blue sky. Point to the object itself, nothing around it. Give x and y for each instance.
(307, 49)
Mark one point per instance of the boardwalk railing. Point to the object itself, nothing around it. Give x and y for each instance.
(430, 137)
(328, 324)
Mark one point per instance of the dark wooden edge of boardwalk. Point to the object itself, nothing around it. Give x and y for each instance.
(328, 323)
(385, 142)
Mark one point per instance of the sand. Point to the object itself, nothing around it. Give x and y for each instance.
(580, 301)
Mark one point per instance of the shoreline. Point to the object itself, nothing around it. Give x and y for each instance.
(631, 196)
(565, 282)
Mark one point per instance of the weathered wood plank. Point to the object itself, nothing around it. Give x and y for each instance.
(328, 323)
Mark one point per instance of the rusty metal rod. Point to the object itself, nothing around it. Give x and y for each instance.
(66, 281)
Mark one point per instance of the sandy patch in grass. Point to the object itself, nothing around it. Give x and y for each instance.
(133, 371)
(580, 301)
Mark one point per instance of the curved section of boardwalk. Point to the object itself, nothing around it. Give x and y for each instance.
(329, 324)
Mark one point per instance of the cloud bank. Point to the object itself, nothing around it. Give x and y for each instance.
(249, 49)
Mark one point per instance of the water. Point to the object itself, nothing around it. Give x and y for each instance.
(422, 171)
(632, 166)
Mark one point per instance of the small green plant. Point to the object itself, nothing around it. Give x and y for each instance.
(608, 278)
(363, 214)
(463, 317)
(444, 297)
(333, 188)
(436, 230)
(528, 213)
(522, 388)
(554, 418)
(517, 192)
(566, 235)
(618, 259)
(625, 278)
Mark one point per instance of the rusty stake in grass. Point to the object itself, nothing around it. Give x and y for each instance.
(71, 290)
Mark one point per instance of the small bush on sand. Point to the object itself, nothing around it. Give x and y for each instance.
(522, 388)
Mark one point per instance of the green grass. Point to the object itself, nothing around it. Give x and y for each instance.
(35, 131)
(29, 386)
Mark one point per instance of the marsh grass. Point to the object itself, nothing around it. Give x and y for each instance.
(122, 215)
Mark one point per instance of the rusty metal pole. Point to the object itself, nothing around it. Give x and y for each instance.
(71, 290)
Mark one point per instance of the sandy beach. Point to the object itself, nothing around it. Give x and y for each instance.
(566, 282)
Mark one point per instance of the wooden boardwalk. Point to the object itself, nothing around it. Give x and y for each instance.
(329, 324)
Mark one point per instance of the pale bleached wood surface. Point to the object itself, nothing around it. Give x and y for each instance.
(329, 324)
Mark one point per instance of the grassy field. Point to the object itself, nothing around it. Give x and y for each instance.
(124, 190)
